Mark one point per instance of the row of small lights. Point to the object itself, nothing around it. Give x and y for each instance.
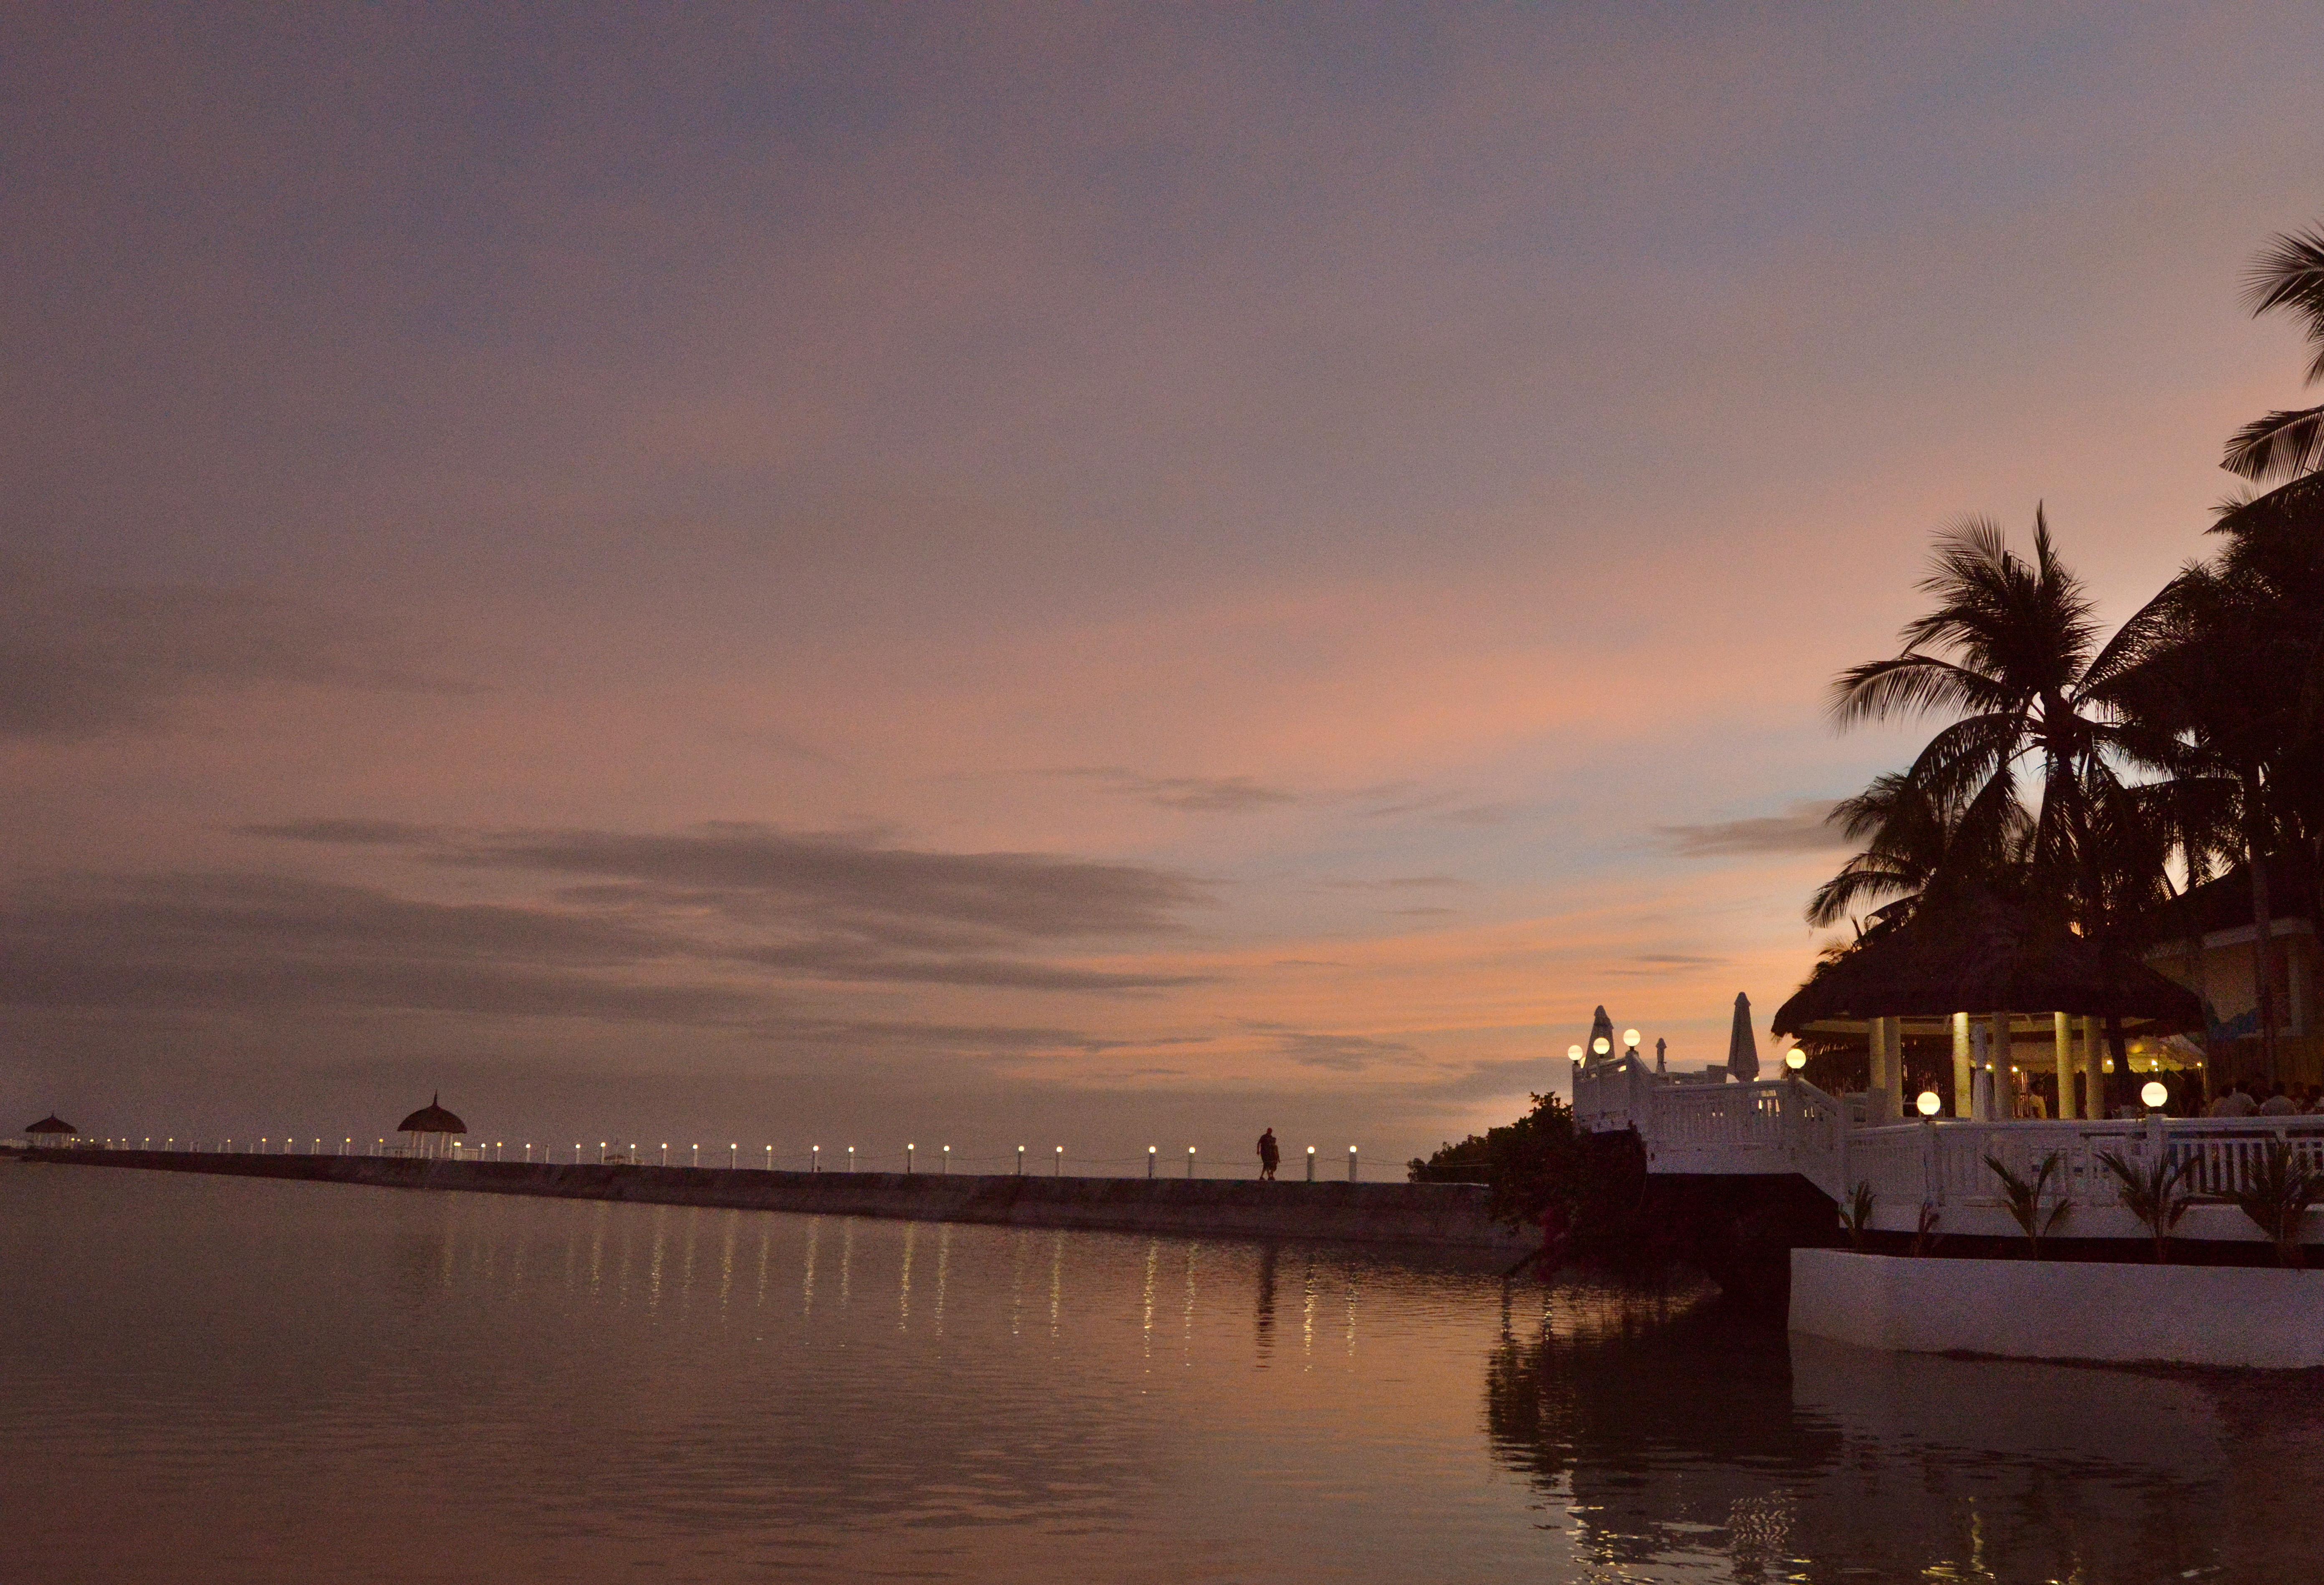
(2153, 1094)
(814, 1152)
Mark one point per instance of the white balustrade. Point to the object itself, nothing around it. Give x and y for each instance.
(1788, 1125)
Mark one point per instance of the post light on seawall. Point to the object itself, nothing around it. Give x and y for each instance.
(851, 1159)
(1310, 1164)
(947, 1167)
(1059, 1170)
(1351, 1163)
(771, 1158)
(1190, 1161)
(697, 1153)
(665, 1152)
(1149, 1161)
(1020, 1161)
(907, 1160)
(734, 1154)
(2155, 1094)
(1928, 1104)
(815, 1158)
(601, 1153)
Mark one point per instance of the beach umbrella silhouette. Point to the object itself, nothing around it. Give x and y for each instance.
(1742, 1048)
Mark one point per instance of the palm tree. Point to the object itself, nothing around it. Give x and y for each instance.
(2012, 651)
(2215, 713)
(2288, 274)
(1914, 847)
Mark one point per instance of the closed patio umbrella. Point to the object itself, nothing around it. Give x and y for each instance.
(1742, 1046)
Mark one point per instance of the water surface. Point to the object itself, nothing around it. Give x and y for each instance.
(217, 1380)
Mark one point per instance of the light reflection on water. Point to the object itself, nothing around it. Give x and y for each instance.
(208, 1380)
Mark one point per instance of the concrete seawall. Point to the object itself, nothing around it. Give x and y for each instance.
(2248, 1317)
(1443, 1216)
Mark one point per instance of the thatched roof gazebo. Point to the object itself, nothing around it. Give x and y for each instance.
(51, 1129)
(432, 1127)
(2012, 971)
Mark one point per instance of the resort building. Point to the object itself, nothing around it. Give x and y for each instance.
(2207, 941)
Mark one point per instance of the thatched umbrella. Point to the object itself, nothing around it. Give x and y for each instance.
(1983, 956)
(51, 1128)
(1987, 958)
(433, 1126)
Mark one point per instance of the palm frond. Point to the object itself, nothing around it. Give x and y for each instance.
(2277, 446)
(2288, 274)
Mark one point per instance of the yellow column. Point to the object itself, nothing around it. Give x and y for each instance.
(1964, 1073)
(2004, 1094)
(2061, 1032)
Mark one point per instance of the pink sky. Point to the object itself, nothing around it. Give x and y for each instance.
(1101, 576)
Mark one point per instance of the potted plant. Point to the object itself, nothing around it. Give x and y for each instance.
(2154, 1191)
(2276, 1195)
(2024, 1198)
(1855, 1213)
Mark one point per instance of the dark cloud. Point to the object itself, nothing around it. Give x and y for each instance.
(80, 659)
(255, 947)
(1802, 828)
(853, 883)
(250, 945)
(1390, 800)
(1210, 795)
(1337, 1052)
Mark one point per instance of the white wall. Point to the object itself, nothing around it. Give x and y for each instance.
(2231, 1315)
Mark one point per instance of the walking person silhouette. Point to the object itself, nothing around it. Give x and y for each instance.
(1270, 1157)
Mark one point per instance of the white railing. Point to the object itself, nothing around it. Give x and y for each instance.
(1790, 1126)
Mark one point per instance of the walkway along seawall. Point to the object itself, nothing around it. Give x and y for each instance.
(1445, 1215)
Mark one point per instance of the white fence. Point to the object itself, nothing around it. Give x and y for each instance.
(1790, 1126)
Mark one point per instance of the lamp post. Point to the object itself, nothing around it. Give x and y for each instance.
(1630, 1042)
(734, 1155)
(908, 1161)
(1310, 1164)
(1602, 1047)
(1351, 1163)
(1149, 1163)
(697, 1153)
(1059, 1170)
(771, 1158)
(815, 1158)
(945, 1166)
(851, 1159)
(1928, 1104)
(1020, 1161)
(1190, 1161)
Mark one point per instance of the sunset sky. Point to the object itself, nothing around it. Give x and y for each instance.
(1100, 576)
